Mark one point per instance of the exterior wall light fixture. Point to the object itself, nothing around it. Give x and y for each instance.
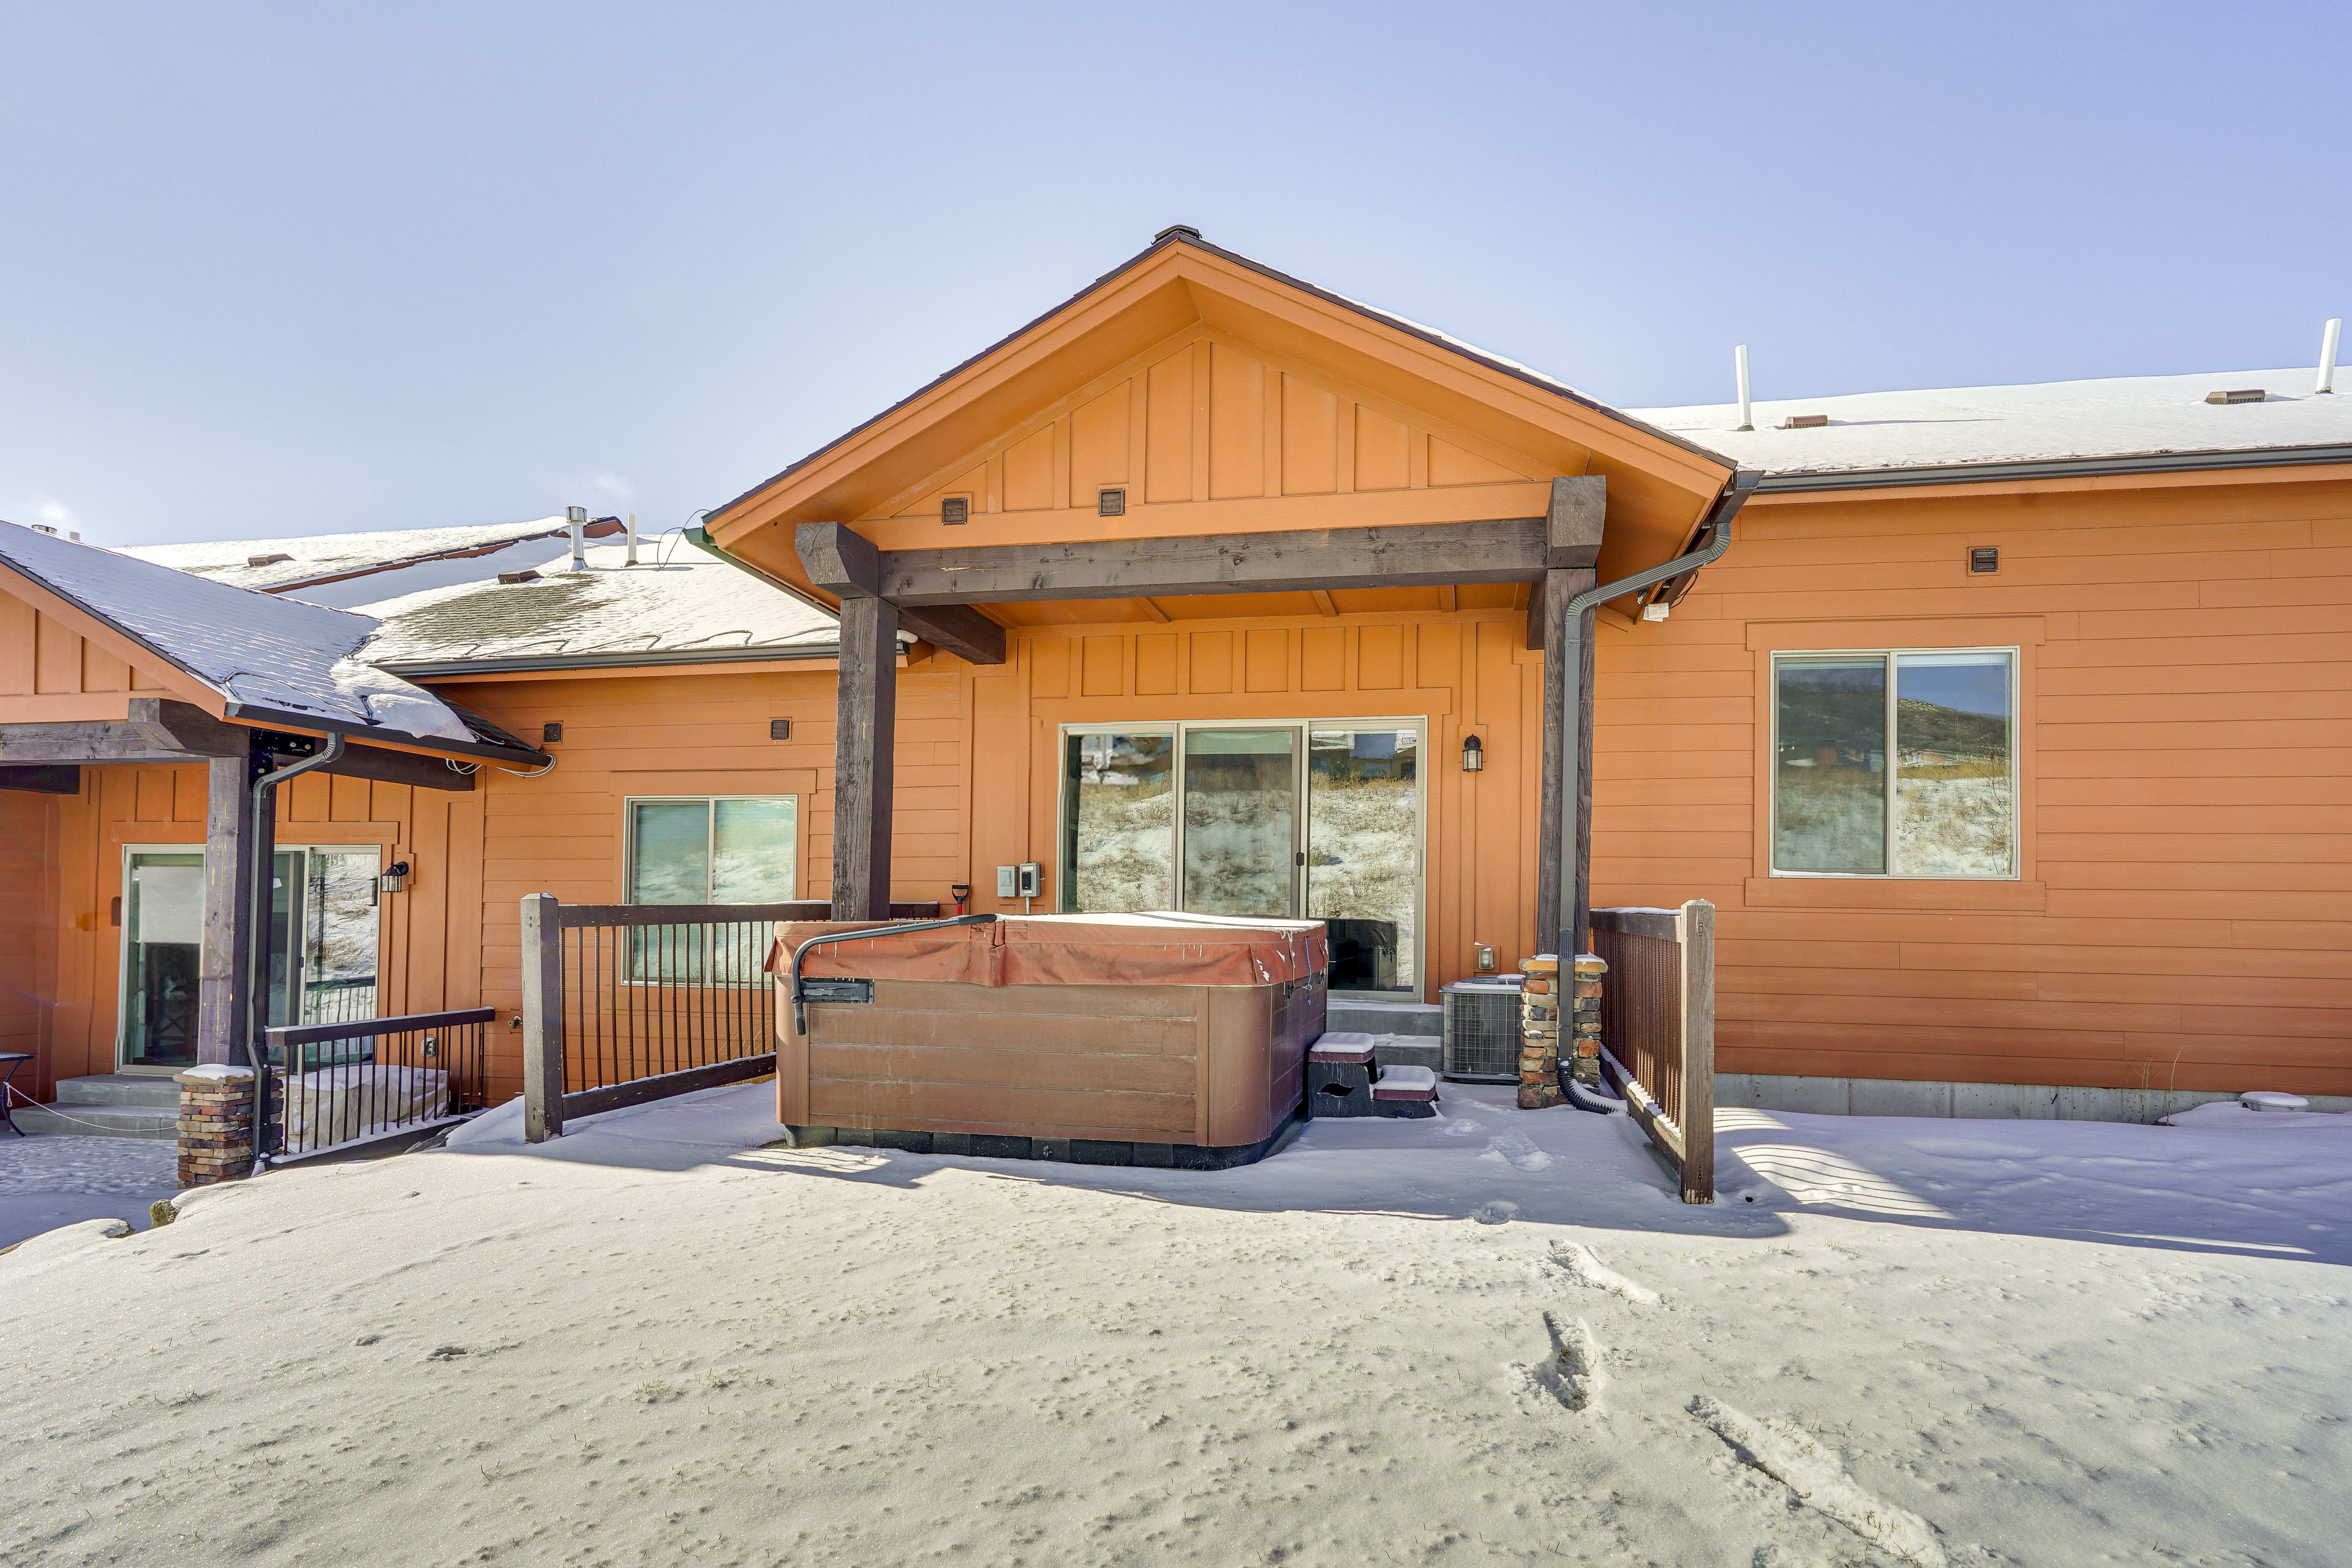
(1474, 754)
(394, 878)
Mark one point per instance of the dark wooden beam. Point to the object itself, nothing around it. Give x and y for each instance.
(1572, 530)
(1509, 549)
(864, 731)
(398, 767)
(844, 562)
(1567, 693)
(237, 852)
(43, 778)
(159, 730)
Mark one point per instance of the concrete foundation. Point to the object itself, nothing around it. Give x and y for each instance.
(1984, 1101)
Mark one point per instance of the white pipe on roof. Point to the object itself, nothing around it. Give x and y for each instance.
(1739, 369)
(577, 516)
(633, 539)
(2328, 355)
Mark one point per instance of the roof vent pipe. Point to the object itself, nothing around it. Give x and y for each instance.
(1739, 368)
(2328, 355)
(577, 516)
(633, 539)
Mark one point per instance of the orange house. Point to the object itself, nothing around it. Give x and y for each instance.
(2004, 736)
(2000, 726)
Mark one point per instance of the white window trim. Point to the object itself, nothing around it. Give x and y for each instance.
(629, 804)
(2016, 656)
(1176, 728)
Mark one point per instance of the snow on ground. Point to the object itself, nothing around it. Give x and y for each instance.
(1491, 1337)
(48, 1182)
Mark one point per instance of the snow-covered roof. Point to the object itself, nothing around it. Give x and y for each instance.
(314, 556)
(279, 658)
(678, 606)
(2122, 417)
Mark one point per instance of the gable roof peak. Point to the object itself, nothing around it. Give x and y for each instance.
(1176, 231)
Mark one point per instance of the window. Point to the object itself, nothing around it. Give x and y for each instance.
(1895, 763)
(734, 849)
(727, 850)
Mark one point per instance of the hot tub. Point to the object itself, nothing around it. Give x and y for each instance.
(1148, 1039)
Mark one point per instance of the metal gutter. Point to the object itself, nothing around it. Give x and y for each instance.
(313, 724)
(522, 666)
(1575, 889)
(699, 537)
(1802, 482)
(259, 846)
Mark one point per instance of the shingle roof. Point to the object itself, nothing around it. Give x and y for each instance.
(679, 605)
(2124, 417)
(313, 557)
(271, 658)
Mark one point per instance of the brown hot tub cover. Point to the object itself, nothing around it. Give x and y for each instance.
(1070, 949)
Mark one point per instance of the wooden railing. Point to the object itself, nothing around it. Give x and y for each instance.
(623, 1004)
(332, 1085)
(1657, 1029)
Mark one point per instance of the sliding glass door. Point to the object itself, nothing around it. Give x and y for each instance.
(324, 925)
(1322, 820)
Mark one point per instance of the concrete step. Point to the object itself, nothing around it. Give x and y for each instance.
(1385, 1018)
(117, 1089)
(97, 1121)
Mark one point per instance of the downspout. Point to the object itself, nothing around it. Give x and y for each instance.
(260, 831)
(1576, 889)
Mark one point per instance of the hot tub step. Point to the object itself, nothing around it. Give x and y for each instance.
(1406, 1093)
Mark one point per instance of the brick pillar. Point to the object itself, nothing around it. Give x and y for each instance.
(1540, 1031)
(216, 1124)
(1589, 969)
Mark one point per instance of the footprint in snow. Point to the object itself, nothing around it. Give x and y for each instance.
(1515, 1150)
(1817, 1478)
(1577, 1260)
(1571, 1373)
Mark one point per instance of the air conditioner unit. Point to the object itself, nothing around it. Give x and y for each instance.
(1482, 1030)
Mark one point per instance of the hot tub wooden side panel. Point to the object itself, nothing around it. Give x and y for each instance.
(1113, 1062)
(1256, 1054)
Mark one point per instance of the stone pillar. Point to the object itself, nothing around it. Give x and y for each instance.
(216, 1124)
(1590, 970)
(1540, 1031)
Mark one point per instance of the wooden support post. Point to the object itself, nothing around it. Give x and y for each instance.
(542, 1019)
(1697, 1109)
(238, 853)
(864, 732)
(1567, 698)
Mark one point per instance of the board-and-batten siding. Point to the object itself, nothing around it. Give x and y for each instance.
(430, 938)
(1207, 417)
(2184, 917)
(29, 940)
(49, 672)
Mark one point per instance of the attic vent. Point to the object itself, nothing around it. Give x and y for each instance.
(1805, 421)
(44, 528)
(1110, 503)
(550, 733)
(266, 560)
(780, 729)
(525, 575)
(2244, 395)
(1174, 230)
(956, 509)
(1984, 558)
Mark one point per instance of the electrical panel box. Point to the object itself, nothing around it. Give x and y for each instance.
(1032, 880)
(1008, 881)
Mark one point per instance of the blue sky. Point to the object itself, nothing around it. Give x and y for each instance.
(273, 270)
